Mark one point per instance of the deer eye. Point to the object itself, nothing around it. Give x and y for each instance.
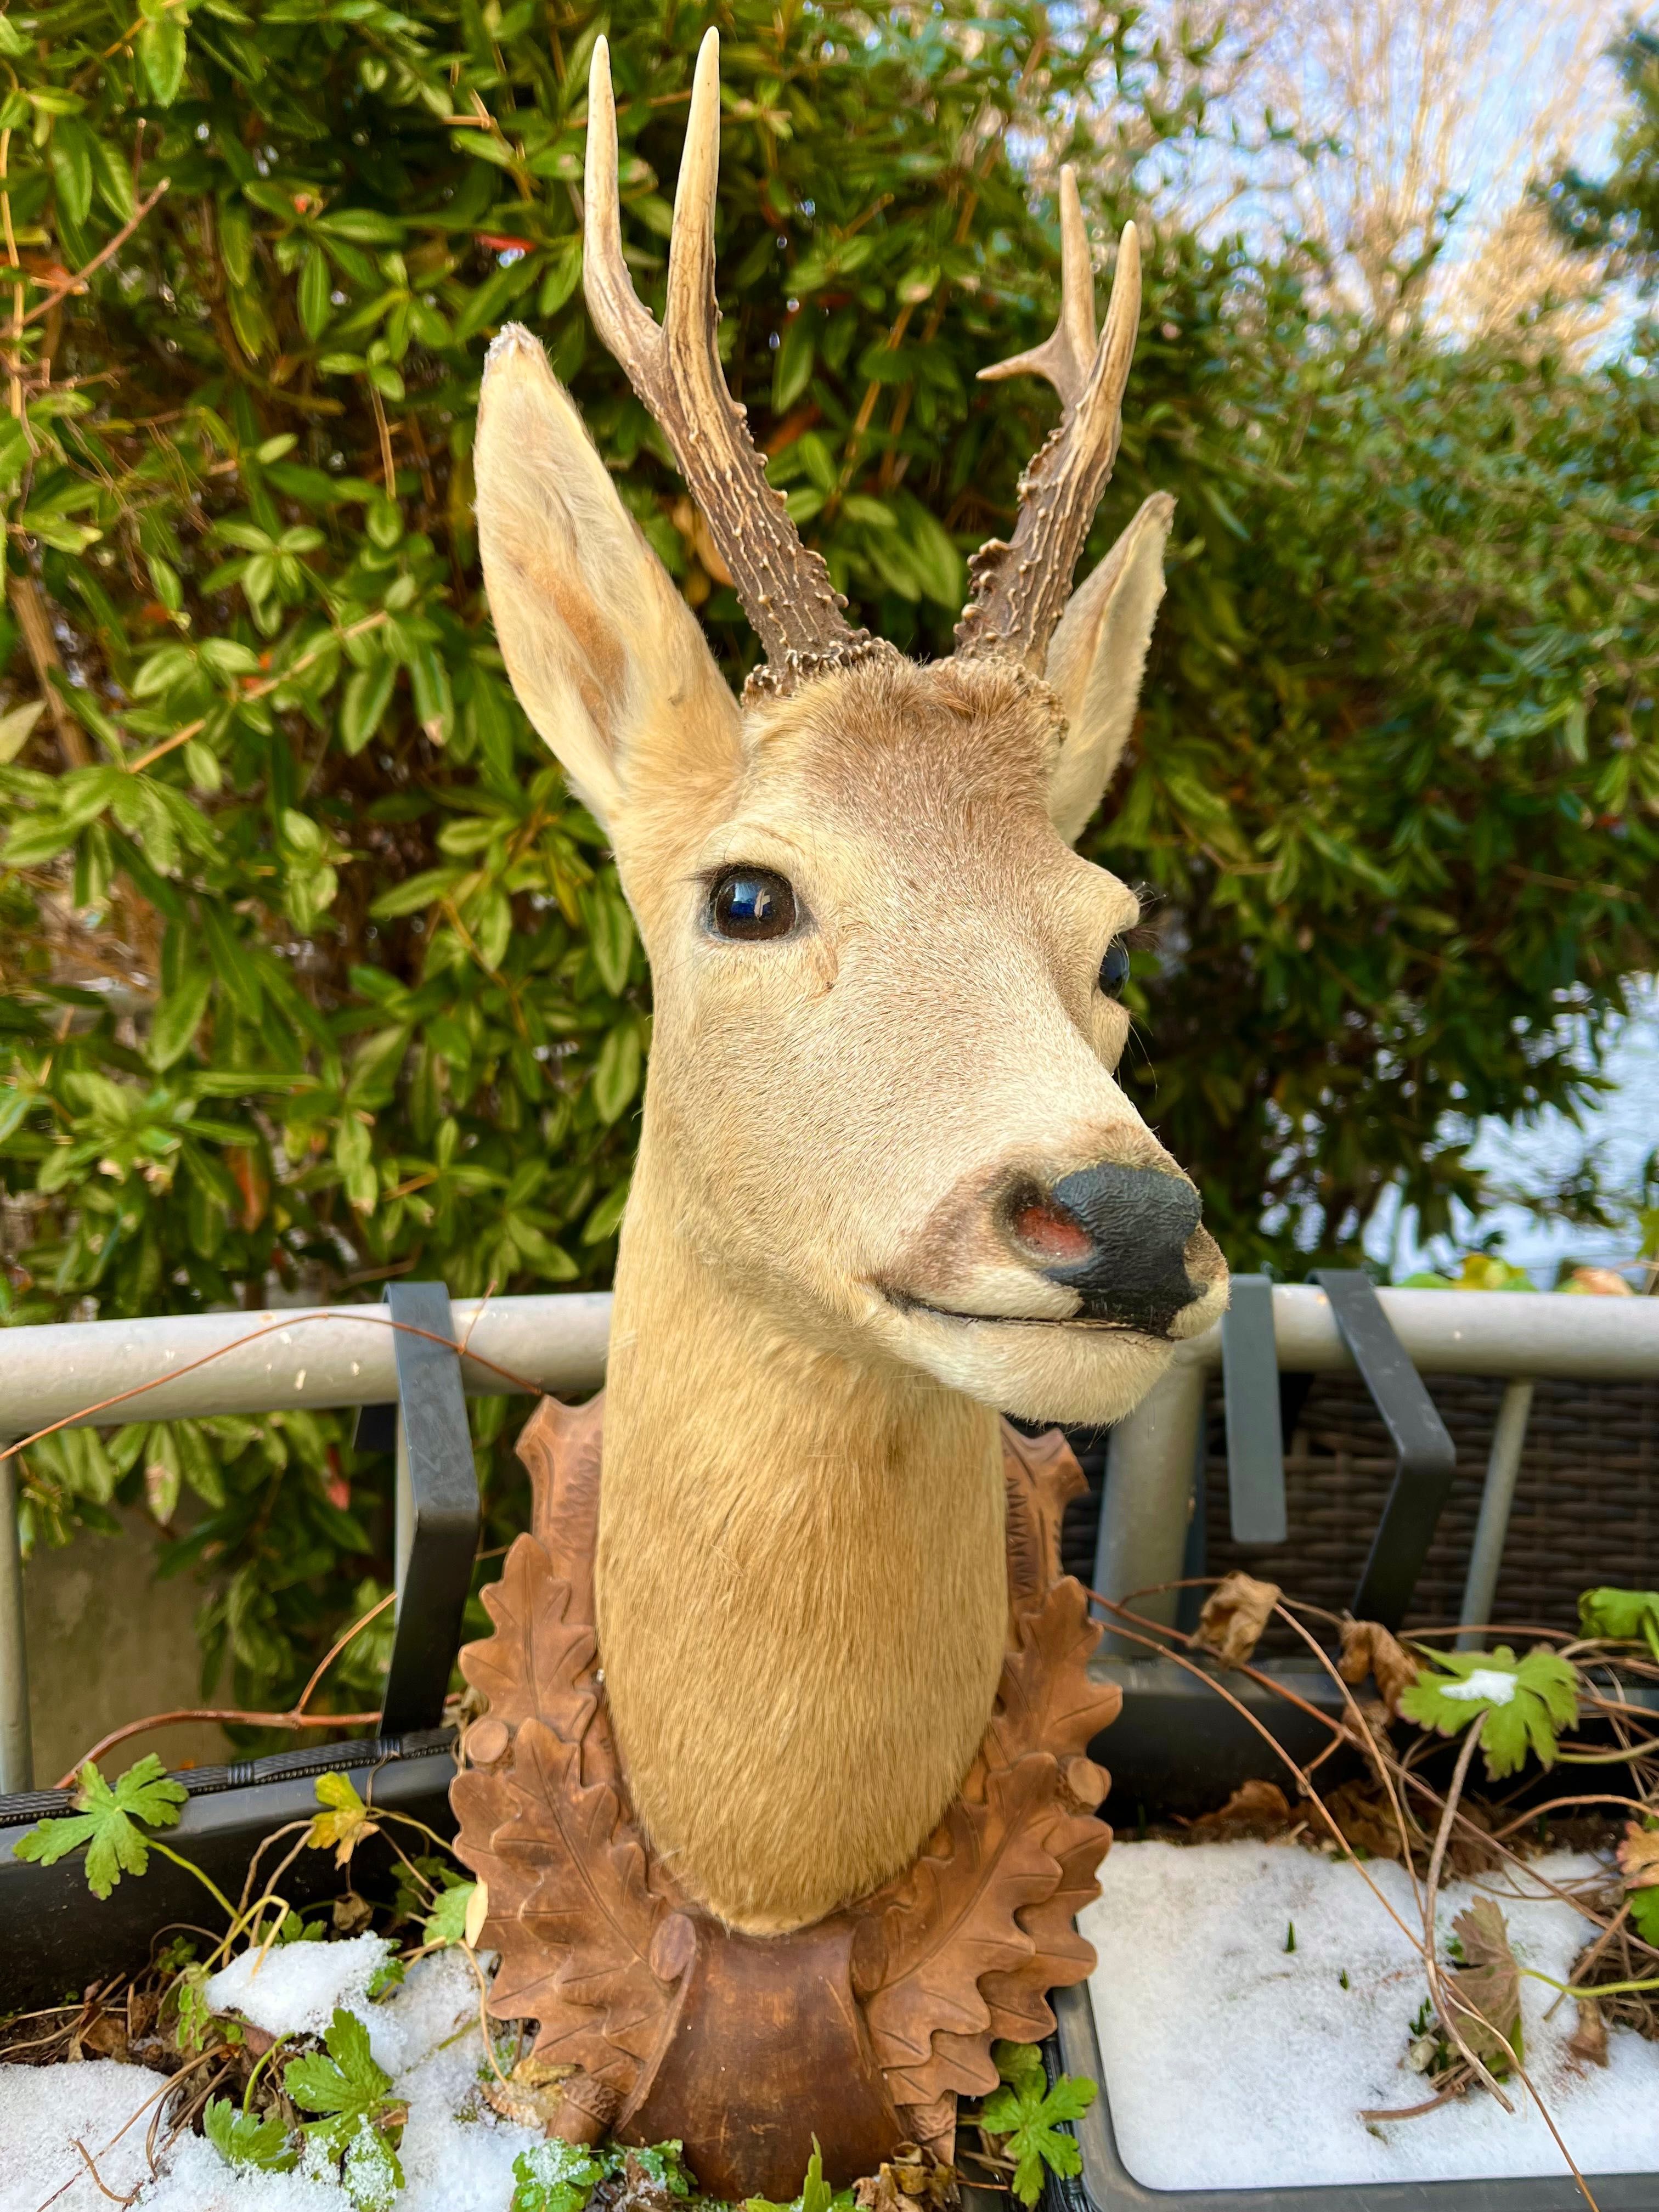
(752, 902)
(1115, 969)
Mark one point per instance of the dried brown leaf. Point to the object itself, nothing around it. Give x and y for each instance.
(1588, 2041)
(531, 2095)
(1368, 1649)
(1638, 1857)
(1484, 1995)
(913, 2177)
(1362, 1812)
(1255, 1808)
(1235, 1613)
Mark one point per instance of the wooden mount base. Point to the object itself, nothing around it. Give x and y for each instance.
(862, 2029)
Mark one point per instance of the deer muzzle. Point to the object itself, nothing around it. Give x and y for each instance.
(1120, 1237)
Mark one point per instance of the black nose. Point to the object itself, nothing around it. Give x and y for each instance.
(1138, 1220)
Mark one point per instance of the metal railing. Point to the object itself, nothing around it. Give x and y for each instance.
(331, 1357)
(1520, 1337)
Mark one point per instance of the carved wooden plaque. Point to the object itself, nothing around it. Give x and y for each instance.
(863, 2029)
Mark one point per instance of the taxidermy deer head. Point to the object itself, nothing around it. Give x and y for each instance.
(887, 1182)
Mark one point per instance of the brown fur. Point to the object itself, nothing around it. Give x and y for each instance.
(799, 1578)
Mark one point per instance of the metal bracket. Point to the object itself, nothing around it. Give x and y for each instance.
(437, 1531)
(1424, 1455)
(1256, 1438)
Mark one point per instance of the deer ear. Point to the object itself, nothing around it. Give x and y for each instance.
(1095, 661)
(607, 660)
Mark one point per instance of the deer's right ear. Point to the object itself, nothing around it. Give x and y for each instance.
(607, 660)
(1096, 660)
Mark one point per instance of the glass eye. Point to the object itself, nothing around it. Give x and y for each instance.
(1115, 969)
(752, 902)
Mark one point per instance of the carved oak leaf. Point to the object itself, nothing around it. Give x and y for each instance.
(572, 1914)
(1042, 1477)
(1018, 1999)
(1046, 1701)
(538, 1664)
(952, 1919)
(560, 1445)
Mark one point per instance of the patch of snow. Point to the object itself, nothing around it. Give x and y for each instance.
(197, 2179)
(45, 2109)
(1490, 1683)
(456, 2152)
(439, 1994)
(1232, 2062)
(294, 1987)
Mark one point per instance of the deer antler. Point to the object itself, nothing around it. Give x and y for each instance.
(676, 370)
(1020, 589)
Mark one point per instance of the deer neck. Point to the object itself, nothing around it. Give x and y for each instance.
(800, 1572)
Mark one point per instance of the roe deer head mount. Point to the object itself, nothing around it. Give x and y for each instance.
(885, 987)
(886, 1179)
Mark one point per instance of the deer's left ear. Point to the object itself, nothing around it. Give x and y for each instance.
(1096, 660)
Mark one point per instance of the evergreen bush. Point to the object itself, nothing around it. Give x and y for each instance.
(313, 973)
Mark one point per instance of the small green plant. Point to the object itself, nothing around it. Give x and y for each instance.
(243, 2139)
(356, 2113)
(107, 1820)
(1525, 1702)
(1028, 2114)
(555, 2177)
(561, 2177)
(815, 2194)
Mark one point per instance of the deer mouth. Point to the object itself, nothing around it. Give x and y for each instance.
(905, 1301)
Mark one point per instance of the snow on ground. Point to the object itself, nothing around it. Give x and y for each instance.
(43, 2109)
(1229, 2062)
(294, 1987)
(457, 2154)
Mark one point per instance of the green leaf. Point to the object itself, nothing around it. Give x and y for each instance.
(610, 936)
(617, 1072)
(70, 154)
(606, 1216)
(1525, 1702)
(556, 2177)
(363, 226)
(447, 1921)
(112, 176)
(367, 695)
(372, 2174)
(1029, 2115)
(243, 2139)
(342, 2083)
(163, 49)
(177, 1018)
(16, 726)
(415, 894)
(815, 2194)
(1645, 1913)
(791, 372)
(315, 283)
(1623, 1616)
(105, 1821)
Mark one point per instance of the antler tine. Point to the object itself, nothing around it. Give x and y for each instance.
(624, 326)
(1020, 589)
(676, 370)
(691, 310)
(1065, 358)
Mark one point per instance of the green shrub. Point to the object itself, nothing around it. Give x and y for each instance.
(313, 971)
